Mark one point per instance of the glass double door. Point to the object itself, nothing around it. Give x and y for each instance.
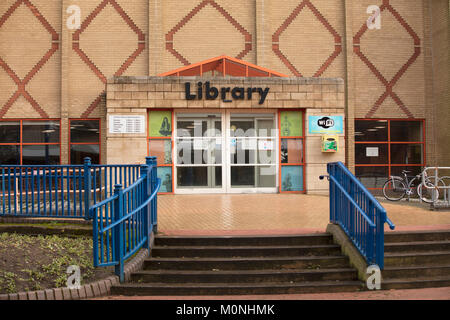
(225, 152)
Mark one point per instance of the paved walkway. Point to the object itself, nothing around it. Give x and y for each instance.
(409, 294)
(274, 214)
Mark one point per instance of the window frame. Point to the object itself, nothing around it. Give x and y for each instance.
(21, 143)
(171, 138)
(389, 142)
(86, 143)
(298, 164)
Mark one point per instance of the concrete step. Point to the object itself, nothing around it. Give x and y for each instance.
(415, 283)
(241, 251)
(254, 263)
(191, 289)
(415, 272)
(415, 236)
(412, 259)
(243, 276)
(417, 246)
(234, 241)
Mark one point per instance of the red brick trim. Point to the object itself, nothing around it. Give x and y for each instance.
(90, 63)
(191, 14)
(21, 84)
(324, 21)
(389, 85)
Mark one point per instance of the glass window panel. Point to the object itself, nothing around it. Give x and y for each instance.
(243, 151)
(291, 151)
(199, 151)
(371, 130)
(372, 177)
(43, 155)
(413, 171)
(266, 176)
(160, 123)
(192, 128)
(165, 174)
(265, 128)
(406, 154)
(243, 176)
(406, 131)
(266, 151)
(291, 123)
(242, 128)
(9, 132)
(85, 131)
(189, 151)
(162, 150)
(80, 151)
(371, 153)
(192, 176)
(9, 155)
(40, 132)
(218, 176)
(291, 178)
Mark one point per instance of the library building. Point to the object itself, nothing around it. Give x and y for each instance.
(252, 96)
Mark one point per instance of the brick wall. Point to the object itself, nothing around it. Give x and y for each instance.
(399, 71)
(441, 80)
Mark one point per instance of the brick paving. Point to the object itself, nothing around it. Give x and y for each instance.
(229, 214)
(407, 294)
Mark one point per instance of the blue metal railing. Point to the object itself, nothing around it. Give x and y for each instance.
(65, 191)
(123, 223)
(357, 211)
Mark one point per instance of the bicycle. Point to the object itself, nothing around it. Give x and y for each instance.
(395, 188)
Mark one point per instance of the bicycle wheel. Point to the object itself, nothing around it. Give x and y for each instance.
(429, 195)
(394, 189)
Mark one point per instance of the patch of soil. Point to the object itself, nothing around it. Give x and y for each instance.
(29, 263)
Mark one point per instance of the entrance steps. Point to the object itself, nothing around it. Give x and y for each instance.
(419, 259)
(238, 265)
(292, 264)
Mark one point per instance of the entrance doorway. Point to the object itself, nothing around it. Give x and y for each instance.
(226, 152)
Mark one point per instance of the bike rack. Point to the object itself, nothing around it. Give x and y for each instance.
(445, 203)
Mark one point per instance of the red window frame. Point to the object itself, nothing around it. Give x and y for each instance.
(162, 138)
(389, 165)
(21, 143)
(302, 164)
(86, 143)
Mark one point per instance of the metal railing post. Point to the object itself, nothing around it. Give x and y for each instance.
(87, 187)
(144, 170)
(118, 232)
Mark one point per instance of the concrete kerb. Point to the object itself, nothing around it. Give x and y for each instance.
(91, 290)
(348, 248)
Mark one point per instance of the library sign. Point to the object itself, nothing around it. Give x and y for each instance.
(227, 94)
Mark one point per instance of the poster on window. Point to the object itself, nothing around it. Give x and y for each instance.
(291, 124)
(291, 178)
(126, 124)
(160, 123)
(165, 174)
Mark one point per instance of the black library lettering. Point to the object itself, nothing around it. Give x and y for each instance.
(212, 93)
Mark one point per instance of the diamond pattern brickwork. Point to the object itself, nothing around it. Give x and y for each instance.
(25, 49)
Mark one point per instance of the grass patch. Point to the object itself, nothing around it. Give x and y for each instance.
(29, 263)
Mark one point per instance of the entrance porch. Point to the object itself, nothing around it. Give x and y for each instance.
(238, 214)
